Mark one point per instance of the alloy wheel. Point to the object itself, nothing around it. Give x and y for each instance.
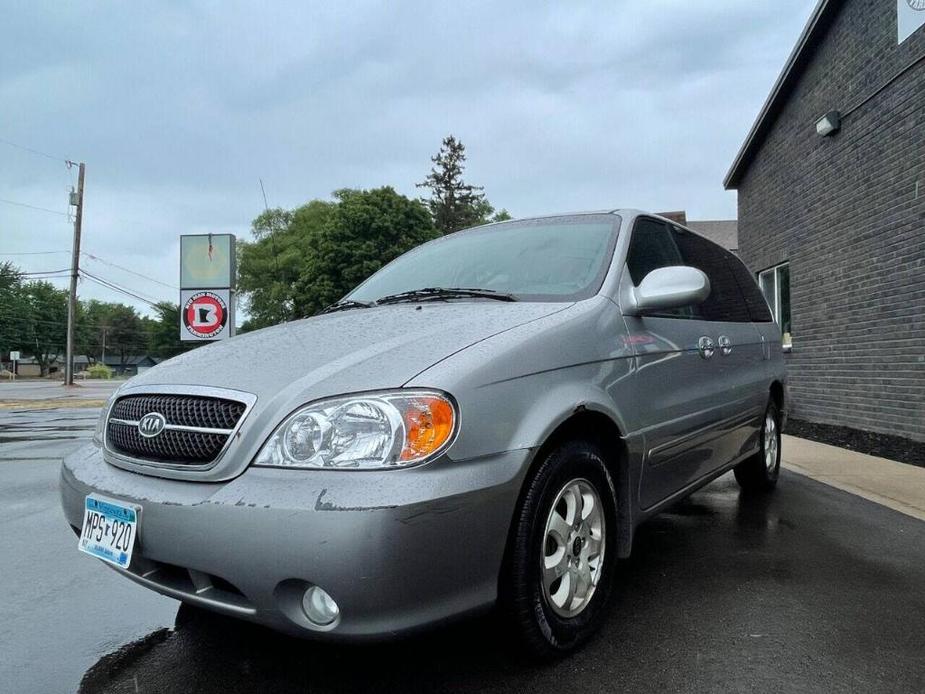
(771, 442)
(573, 548)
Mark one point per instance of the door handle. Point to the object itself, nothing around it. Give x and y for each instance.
(725, 345)
(706, 347)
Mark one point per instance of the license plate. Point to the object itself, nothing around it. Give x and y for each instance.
(109, 530)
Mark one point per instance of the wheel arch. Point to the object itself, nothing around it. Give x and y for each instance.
(777, 393)
(779, 396)
(587, 424)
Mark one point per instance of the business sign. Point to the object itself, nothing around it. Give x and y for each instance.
(207, 261)
(910, 17)
(207, 272)
(206, 314)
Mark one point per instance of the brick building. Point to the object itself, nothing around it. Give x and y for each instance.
(831, 191)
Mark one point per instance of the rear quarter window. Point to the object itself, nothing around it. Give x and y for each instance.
(757, 307)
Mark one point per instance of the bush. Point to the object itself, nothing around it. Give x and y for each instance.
(99, 371)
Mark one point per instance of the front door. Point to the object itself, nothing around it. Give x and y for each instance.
(693, 386)
(674, 392)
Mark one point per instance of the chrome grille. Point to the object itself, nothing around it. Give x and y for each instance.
(197, 427)
(187, 410)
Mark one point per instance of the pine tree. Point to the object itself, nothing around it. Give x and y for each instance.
(454, 204)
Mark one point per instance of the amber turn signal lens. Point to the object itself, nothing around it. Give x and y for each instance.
(429, 422)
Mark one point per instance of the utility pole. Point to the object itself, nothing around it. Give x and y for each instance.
(75, 267)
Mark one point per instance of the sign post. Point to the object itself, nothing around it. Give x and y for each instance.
(14, 357)
(207, 297)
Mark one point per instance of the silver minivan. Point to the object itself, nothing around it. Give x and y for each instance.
(483, 422)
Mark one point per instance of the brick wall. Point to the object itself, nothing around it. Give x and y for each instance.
(848, 213)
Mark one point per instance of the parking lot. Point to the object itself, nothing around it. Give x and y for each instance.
(810, 589)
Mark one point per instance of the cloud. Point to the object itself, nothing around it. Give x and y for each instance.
(178, 108)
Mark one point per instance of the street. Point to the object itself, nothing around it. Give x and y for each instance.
(808, 590)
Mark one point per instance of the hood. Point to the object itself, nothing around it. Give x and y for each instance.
(343, 352)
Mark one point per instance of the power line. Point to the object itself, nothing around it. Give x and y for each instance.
(103, 283)
(62, 274)
(37, 253)
(43, 277)
(115, 287)
(34, 207)
(12, 317)
(33, 151)
(45, 272)
(125, 269)
(97, 258)
(120, 287)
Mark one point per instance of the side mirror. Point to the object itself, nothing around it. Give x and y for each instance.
(668, 287)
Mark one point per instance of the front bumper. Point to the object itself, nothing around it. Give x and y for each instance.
(397, 549)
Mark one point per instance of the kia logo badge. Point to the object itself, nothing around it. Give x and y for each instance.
(151, 424)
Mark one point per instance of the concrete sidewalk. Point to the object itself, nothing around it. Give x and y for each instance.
(898, 486)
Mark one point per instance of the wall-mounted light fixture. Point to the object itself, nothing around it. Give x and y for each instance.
(829, 123)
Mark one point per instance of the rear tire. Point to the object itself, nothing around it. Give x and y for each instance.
(760, 472)
(562, 552)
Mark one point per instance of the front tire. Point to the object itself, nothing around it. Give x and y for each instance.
(760, 472)
(563, 550)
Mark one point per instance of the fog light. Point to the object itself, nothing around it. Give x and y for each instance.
(319, 607)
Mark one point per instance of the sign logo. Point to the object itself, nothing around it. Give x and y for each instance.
(205, 315)
(151, 424)
(910, 17)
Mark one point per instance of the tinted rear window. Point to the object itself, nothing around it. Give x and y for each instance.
(757, 307)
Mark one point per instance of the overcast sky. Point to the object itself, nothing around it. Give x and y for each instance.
(179, 108)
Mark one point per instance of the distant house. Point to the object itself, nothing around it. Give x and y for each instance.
(133, 365)
(28, 367)
(725, 232)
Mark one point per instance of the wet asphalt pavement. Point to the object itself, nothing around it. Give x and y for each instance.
(808, 590)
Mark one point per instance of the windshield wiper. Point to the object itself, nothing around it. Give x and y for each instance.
(444, 293)
(345, 305)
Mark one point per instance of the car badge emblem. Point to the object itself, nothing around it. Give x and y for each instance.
(151, 424)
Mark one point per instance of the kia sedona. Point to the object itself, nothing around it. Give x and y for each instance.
(483, 422)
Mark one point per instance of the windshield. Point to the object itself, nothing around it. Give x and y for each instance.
(551, 259)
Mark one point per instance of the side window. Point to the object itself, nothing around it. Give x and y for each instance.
(758, 309)
(775, 285)
(725, 302)
(651, 248)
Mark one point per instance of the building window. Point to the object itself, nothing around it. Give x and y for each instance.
(775, 285)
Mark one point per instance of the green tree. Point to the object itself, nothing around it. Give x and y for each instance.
(365, 230)
(106, 329)
(92, 328)
(164, 331)
(269, 268)
(126, 335)
(43, 333)
(10, 277)
(271, 222)
(14, 317)
(453, 203)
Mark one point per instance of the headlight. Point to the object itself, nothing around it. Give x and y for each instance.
(377, 430)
